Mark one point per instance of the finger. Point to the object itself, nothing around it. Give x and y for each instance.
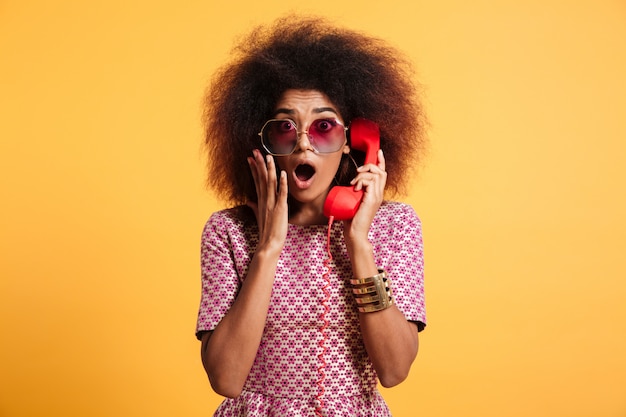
(363, 176)
(361, 182)
(254, 205)
(370, 168)
(271, 180)
(371, 187)
(282, 189)
(261, 164)
(261, 174)
(381, 160)
(252, 164)
(255, 176)
(371, 181)
(378, 167)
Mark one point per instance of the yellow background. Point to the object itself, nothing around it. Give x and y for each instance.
(522, 199)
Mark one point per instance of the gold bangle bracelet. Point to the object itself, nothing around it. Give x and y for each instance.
(368, 299)
(371, 308)
(364, 290)
(372, 293)
(369, 280)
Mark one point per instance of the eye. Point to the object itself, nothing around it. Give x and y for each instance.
(285, 126)
(324, 125)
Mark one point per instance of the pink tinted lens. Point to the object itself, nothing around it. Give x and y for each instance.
(327, 135)
(280, 136)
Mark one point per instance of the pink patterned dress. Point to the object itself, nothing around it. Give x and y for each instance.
(284, 378)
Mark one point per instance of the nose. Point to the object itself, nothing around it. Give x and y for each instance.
(304, 142)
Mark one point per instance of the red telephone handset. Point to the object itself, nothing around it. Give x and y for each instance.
(343, 202)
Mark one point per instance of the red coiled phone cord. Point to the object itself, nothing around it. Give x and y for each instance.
(321, 369)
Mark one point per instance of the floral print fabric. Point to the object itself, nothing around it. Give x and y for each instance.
(283, 378)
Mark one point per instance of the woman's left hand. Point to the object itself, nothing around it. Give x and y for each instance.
(390, 340)
(371, 178)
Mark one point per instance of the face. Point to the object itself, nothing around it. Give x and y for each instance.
(309, 173)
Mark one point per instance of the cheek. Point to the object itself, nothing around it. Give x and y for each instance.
(336, 162)
(330, 168)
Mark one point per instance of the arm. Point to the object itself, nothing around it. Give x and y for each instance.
(228, 351)
(390, 340)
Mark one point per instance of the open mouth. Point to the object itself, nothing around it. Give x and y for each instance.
(304, 172)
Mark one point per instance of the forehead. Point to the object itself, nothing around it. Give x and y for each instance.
(304, 103)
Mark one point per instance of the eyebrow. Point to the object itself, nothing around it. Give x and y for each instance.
(316, 110)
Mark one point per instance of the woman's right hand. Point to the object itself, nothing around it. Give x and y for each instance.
(228, 353)
(271, 207)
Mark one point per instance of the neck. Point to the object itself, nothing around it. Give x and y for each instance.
(306, 214)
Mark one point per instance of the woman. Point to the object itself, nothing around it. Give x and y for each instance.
(301, 315)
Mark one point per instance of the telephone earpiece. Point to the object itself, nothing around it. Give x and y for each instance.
(342, 203)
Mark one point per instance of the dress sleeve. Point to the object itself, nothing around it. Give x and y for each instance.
(406, 265)
(220, 280)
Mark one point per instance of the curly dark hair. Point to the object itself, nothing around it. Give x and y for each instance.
(363, 76)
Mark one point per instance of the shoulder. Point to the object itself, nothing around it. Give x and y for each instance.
(227, 221)
(393, 212)
(396, 221)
